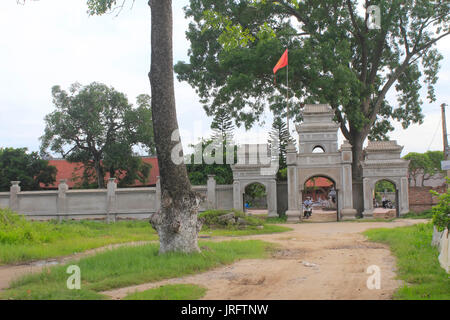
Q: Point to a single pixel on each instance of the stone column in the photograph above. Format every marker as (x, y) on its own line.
(62, 199)
(111, 200)
(272, 198)
(368, 198)
(294, 212)
(347, 212)
(211, 192)
(237, 196)
(158, 194)
(13, 195)
(403, 196)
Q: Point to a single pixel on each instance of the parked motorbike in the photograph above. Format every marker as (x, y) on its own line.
(307, 211)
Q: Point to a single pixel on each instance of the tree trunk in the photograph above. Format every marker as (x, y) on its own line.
(100, 175)
(357, 141)
(176, 222)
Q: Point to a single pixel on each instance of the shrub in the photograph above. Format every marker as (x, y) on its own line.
(15, 229)
(441, 211)
(211, 219)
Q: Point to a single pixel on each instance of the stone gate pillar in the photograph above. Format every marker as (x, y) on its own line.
(211, 192)
(272, 198)
(13, 197)
(111, 203)
(368, 198)
(403, 196)
(62, 199)
(294, 198)
(237, 196)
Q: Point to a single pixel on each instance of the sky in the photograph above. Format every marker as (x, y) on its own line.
(52, 42)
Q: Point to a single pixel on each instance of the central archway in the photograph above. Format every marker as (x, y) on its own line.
(255, 198)
(320, 192)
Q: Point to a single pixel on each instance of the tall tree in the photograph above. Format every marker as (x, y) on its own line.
(222, 126)
(423, 166)
(278, 140)
(28, 168)
(176, 223)
(97, 126)
(334, 57)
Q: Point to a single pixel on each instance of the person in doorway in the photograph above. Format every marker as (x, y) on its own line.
(308, 207)
(384, 202)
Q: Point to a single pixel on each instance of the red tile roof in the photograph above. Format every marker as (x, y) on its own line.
(67, 170)
(319, 182)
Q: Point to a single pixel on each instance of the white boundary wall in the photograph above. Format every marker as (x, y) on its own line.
(110, 204)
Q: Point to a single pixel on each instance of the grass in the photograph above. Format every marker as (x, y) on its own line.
(170, 292)
(417, 262)
(427, 214)
(268, 228)
(22, 240)
(128, 266)
(50, 239)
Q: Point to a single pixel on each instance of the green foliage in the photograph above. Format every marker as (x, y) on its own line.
(97, 126)
(417, 262)
(223, 127)
(334, 58)
(198, 173)
(441, 211)
(424, 165)
(24, 240)
(279, 138)
(254, 192)
(28, 168)
(170, 292)
(426, 214)
(384, 186)
(128, 266)
(211, 219)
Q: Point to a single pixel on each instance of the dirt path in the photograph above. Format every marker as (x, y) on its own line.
(10, 272)
(316, 261)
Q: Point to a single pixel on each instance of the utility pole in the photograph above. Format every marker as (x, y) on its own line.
(445, 138)
(444, 132)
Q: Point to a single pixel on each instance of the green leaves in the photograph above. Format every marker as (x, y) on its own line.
(334, 58)
(96, 123)
(28, 168)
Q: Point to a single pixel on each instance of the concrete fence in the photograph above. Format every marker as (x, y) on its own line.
(111, 203)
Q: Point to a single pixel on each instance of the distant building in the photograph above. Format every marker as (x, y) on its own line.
(73, 173)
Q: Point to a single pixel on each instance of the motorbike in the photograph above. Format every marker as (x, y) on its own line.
(307, 211)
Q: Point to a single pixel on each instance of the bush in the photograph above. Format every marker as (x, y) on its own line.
(15, 229)
(441, 211)
(212, 219)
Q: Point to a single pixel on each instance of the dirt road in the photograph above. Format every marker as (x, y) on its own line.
(316, 261)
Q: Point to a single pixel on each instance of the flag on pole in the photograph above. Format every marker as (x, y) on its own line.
(283, 62)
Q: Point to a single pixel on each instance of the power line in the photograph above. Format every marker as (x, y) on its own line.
(434, 136)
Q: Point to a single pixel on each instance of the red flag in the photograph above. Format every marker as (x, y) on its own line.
(283, 62)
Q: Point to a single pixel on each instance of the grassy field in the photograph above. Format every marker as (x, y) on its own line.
(127, 266)
(23, 241)
(170, 292)
(42, 240)
(417, 262)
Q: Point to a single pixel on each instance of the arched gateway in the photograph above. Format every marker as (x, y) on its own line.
(255, 164)
(320, 156)
(319, 131)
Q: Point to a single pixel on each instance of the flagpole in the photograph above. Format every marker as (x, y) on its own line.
(287, 97)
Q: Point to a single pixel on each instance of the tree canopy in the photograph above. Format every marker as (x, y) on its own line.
(334, 58)
(423, 166)
(28, 168)
(96, 125)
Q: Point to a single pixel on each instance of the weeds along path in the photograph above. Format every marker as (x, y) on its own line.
(315, 261)
(10, 272)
